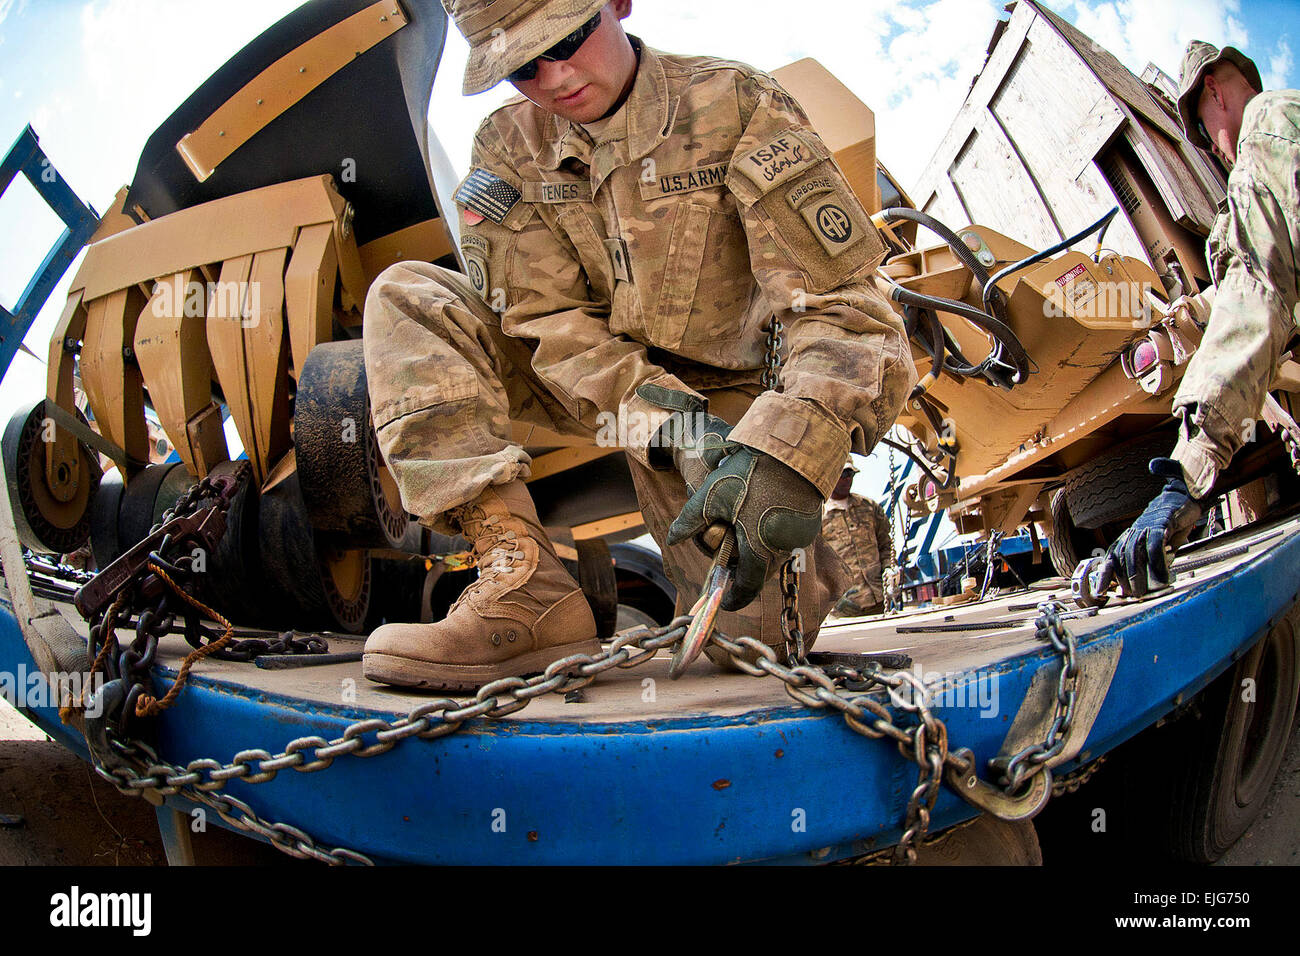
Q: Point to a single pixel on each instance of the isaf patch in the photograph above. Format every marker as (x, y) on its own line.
(779, 160)
(488, 195)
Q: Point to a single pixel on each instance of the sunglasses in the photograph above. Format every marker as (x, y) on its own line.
(561, 51)
(1200, 129)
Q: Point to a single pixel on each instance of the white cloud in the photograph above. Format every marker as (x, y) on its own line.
(1279, 65)
(1138, 32)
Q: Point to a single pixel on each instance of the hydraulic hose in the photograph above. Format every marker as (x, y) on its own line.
(1103, 224)
(1001, 332)
(959, 248)
(922, 464)
(935, 347)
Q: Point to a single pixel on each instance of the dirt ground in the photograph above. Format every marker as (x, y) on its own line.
(71, 817)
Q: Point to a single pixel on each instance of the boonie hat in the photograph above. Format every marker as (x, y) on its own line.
(503, 35)
(1200, 57)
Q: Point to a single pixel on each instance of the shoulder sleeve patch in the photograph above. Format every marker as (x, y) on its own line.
(477, 253)
(780, 159)
(488, 195)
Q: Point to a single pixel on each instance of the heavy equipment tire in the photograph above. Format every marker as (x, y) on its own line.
(138, 508)
(1065, 545)
(1223, 760)
(44, 523)
(350, 495)
(319, 585)
(1116, 485)
(105, 545)
(643, 587)
(234, 582)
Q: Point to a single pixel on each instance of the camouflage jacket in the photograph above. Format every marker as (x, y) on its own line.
(658, 250)
(1252, 257)
(859, 533)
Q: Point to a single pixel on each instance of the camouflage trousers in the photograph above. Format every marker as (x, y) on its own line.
(445, 386)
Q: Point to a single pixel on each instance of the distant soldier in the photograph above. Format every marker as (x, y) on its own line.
(1252, 257)
(858, 530)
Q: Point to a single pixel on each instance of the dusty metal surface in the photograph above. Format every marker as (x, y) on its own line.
(624, 695)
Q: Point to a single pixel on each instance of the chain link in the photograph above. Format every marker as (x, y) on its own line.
(1072, 782)
(924, 740)
(890, 562)
(772, 362)
(791, 619)
(1017, 769)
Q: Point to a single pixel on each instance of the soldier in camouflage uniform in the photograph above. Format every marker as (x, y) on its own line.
(1252, 258)
(858, 530)
(629, 227)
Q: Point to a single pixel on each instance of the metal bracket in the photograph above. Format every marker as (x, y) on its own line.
(27, 157)
(1000, 804)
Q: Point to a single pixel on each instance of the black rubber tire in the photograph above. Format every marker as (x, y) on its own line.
(104, 543)
(1224, 759)
(1116, 485)
(642, 583)
(401, 591)
(342, 479)
(137, 508)
(1063, 545)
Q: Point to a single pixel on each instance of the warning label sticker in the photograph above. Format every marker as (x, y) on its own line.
(1070, 276)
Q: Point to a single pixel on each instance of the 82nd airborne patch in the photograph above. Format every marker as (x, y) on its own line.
(477, 251)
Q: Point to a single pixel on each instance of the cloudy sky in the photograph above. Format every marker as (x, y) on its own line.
(95, 78)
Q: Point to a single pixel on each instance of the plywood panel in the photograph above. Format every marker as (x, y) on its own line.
(977, 100)
(1178, 186)
(998, 190)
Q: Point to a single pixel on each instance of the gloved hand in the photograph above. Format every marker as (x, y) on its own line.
(693, 441)
(1140, 550)
(773, 509)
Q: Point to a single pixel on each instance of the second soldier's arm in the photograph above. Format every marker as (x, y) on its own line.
(1253, 261)
(884, 542)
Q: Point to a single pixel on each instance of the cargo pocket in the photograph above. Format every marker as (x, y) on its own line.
(593, 257)
(681, 274)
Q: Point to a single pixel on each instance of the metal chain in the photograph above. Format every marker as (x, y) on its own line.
(1017, 769)
(152, 594)
(772, 362)
(791, 619)
(1293, 449)
(890, 561)
(925, 742)
(1072, 782)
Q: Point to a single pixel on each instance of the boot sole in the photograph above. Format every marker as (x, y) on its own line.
(426, 675)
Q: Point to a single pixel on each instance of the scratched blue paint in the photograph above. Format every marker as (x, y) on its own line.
(694, 789)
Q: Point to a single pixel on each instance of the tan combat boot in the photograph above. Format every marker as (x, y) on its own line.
(524, 612)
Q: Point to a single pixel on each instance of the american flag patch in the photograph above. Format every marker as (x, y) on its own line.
(488, 195)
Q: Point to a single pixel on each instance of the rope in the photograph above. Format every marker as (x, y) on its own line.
(147, 706)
